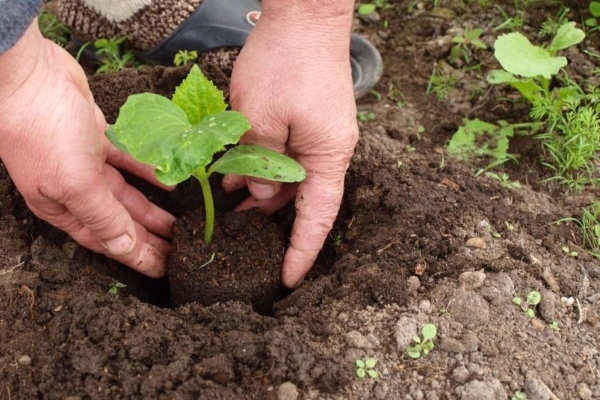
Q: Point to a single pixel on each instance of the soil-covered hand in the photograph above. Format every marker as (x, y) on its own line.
(293, 82)
(53, 145)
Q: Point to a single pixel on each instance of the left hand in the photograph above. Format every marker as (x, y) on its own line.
(294, 84)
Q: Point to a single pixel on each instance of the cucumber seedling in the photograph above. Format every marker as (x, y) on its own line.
(180, 137)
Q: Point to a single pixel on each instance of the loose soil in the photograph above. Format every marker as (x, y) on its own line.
(419, 239)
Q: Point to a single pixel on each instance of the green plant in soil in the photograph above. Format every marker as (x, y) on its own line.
(528, 305)
(366, 367)
(111, 58)
(422, 344)
(180, 137)
(518, 395)
(115, 287)
(516, 21)
(569, 252)
(370, 8)
(185, 57)
(504, 180)
(51, 28)
(551, 25)
(464, 45)
(589, 222)
(441, 83)
(593, 22)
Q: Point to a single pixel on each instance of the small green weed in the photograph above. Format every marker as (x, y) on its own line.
(366, 116)
(504, 180)
(533, 299)
(554, 326)
(464, 45)
(424, 344)
(441, 83)
(590, 227)
(518, 396)
(370, 8)
(110, 57)
(569, 252)
(184, 57)
(115, 287)
(593, 23)
(551, 25)
(51, 28)
(366, 367)
(516, 21)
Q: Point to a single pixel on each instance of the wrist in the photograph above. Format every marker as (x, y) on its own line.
(19, 62)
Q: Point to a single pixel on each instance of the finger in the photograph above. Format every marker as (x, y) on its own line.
(231, 183)
(273, 204)
(124, 161)
(317, 205)
(147, 214)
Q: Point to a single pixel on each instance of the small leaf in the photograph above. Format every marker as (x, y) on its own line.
(416, 339)
(591, 22)
(360, 363)
(373, 374)
(595, 8)
(370, 362)
(567, 36)
(458, 39)
(198, 97)
(366, 9)
(517, 300)
(414, 351)
(360, 372)
(518, 56)
(259, 162)
(425, 352)
(530, 313)
(479, 44)
(429, 331)
(534, 297)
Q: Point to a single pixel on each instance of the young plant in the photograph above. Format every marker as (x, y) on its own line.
(590, 227)
(569, 252)
(504, 180)
(593, 23)
(464, 43)
(441, 83)
(366, 367)
(424, 344)
(533, 299)
(179, 137)
(518, 395)
(554, 326)
(184, 57)
(51, 28)
(109, 55)
(370, 8)
(114, 288)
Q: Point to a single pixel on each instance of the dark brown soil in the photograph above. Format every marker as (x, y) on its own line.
(419, 239)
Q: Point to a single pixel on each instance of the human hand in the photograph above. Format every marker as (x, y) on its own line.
(53, 145)
(294, 84)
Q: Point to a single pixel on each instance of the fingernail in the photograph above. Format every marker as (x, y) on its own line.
(261, 191)
(121, 245)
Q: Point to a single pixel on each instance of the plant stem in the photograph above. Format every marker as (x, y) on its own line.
(209, 205)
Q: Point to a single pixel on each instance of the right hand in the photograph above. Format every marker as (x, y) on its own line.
(53, 145)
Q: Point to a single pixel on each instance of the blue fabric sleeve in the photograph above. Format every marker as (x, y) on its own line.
(15, 17)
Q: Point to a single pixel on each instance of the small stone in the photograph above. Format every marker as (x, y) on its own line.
(425, 306)
(406, 328)
(537, 324)
(547, 306)
(356, 339)
(287, 391)
(469, 308)
(476, 243)
(24, 360)
(535, 389)
(413, 284)
(472, 279)
(584, 391)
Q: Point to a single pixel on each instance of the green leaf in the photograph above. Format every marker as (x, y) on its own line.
(429, 331)
(360, 363)
(518, 56)
(474, 34)
(458, 39)
(517, 301)
(478, 138)
(198, 97)
(111, 134)
(530, 313)
(534, 297)
(259, 162)
(479, 44)
(373, 374)
(595, 8)
(416, 339)
(414, 351)
(567, 36)
(360, 372)
(591, 22)
(370, 362)
(155, 131)
(366, 9)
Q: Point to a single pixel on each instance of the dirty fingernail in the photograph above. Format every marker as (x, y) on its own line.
(261, 191)
(121, 245)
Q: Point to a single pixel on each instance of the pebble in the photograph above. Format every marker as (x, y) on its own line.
(483, 390)
(469, 308)
(24, 360)
(476, 243)
(584, 392)
(381, 390)
(356, 339)
(406, 328)
(535, 389)
(413, 284)
(425, 306)
(472, 279)
(460, 374)
(537, 324)
(547, 306)
(287, 391)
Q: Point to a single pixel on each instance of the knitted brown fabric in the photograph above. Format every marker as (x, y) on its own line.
(145, 29)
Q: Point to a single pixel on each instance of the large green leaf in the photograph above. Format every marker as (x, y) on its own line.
(518, 56)
(198, 97)
(478, 138)
(259, 162)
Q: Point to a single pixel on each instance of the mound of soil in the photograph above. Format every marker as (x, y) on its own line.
(419, 239)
